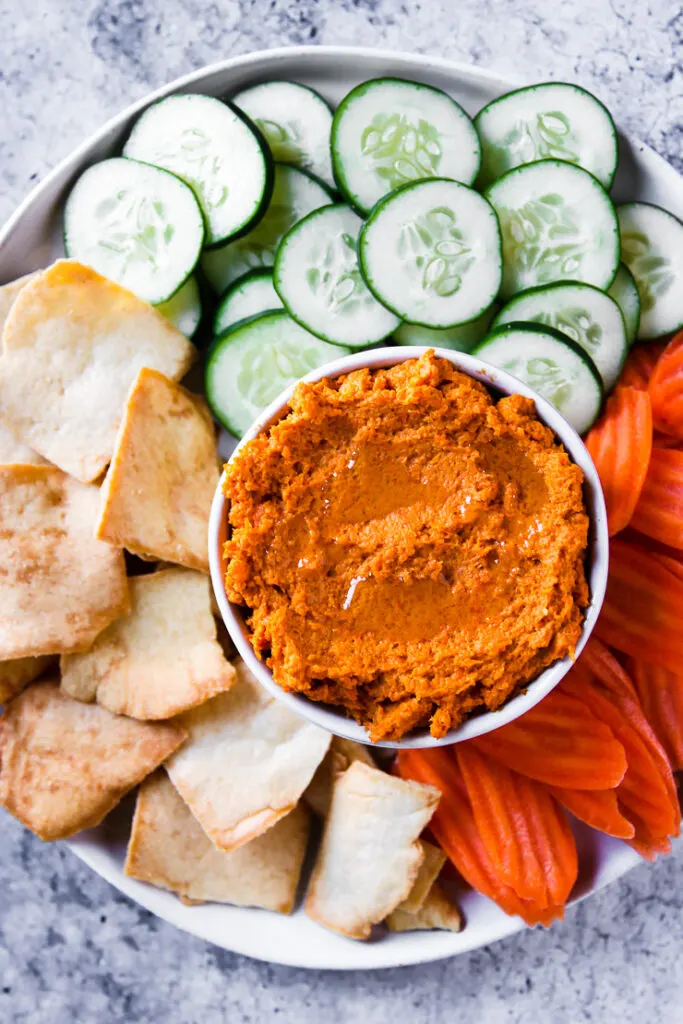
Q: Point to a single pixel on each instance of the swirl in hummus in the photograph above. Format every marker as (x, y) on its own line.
(410, 549)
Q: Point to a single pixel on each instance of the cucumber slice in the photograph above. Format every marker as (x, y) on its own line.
(584, 314)
(652, 249)
(461, 339)
(254, 361)
(554, 120)
(624, 291)
(184, 309)
(550, 363)
(431, 252)
(135, 224)
(317, 277)
(251, 294)
(216, 152)
(558, 223)
(296, 123)
(388, 132)
(295, 194)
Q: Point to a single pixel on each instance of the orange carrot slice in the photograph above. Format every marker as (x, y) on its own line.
(552, 838)
(498, 805)
(455, 830)
(622, 691)
(559, 742)
(644, 793)
(647, 845)
(620, 444)
(659, 512)
(666, 389)
(640, 364)
(598, 808)
(661, 696)
(643, 607)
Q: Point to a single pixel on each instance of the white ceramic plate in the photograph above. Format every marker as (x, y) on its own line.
(32, 239)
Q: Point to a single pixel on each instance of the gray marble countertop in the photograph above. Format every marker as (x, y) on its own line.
(73, 949)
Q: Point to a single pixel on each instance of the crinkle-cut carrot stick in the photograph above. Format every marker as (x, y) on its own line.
(666, 389)
(621, 689)
(640, 364)
(647, 845)
(524, 830)
(499, 812)
(644, 792)
(559, 742)
(598, 808)
(661, 696)
(620, 444)
(455, 830)
(659, 512)
(643, 607)
(642, 795)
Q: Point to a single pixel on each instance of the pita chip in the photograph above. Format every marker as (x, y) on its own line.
(73, 345)
(430, 869)
(370, 853)
(246, 763)
(59, 586)
(162, 658)
(8, 293)
(13, 451)
(341, 754)
(437, 911)
(156, 497)
(65, 765)
(17, 674)
(168, 848)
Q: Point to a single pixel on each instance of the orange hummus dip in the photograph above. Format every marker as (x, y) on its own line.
(411, 550)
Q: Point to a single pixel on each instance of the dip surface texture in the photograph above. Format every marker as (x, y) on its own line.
(411, 550)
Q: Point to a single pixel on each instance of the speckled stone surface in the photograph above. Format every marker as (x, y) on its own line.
(71, 948)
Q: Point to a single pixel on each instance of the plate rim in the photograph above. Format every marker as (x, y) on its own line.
(622, 859)
(239, 61)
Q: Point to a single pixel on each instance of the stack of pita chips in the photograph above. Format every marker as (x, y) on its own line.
(112, 681)
(372, 866)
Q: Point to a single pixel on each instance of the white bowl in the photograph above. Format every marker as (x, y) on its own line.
(336, 721)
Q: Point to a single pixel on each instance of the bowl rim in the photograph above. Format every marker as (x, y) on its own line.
(335, 721)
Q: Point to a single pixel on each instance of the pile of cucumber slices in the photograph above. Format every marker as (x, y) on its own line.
(397, 219)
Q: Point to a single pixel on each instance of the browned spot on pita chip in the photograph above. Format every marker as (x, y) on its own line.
(59, 586)
(169, 849)
(370, 855)
(64, 765)
(437, 911)
(161, 659)
(73, 345)
(17, 674)
(156, 497)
